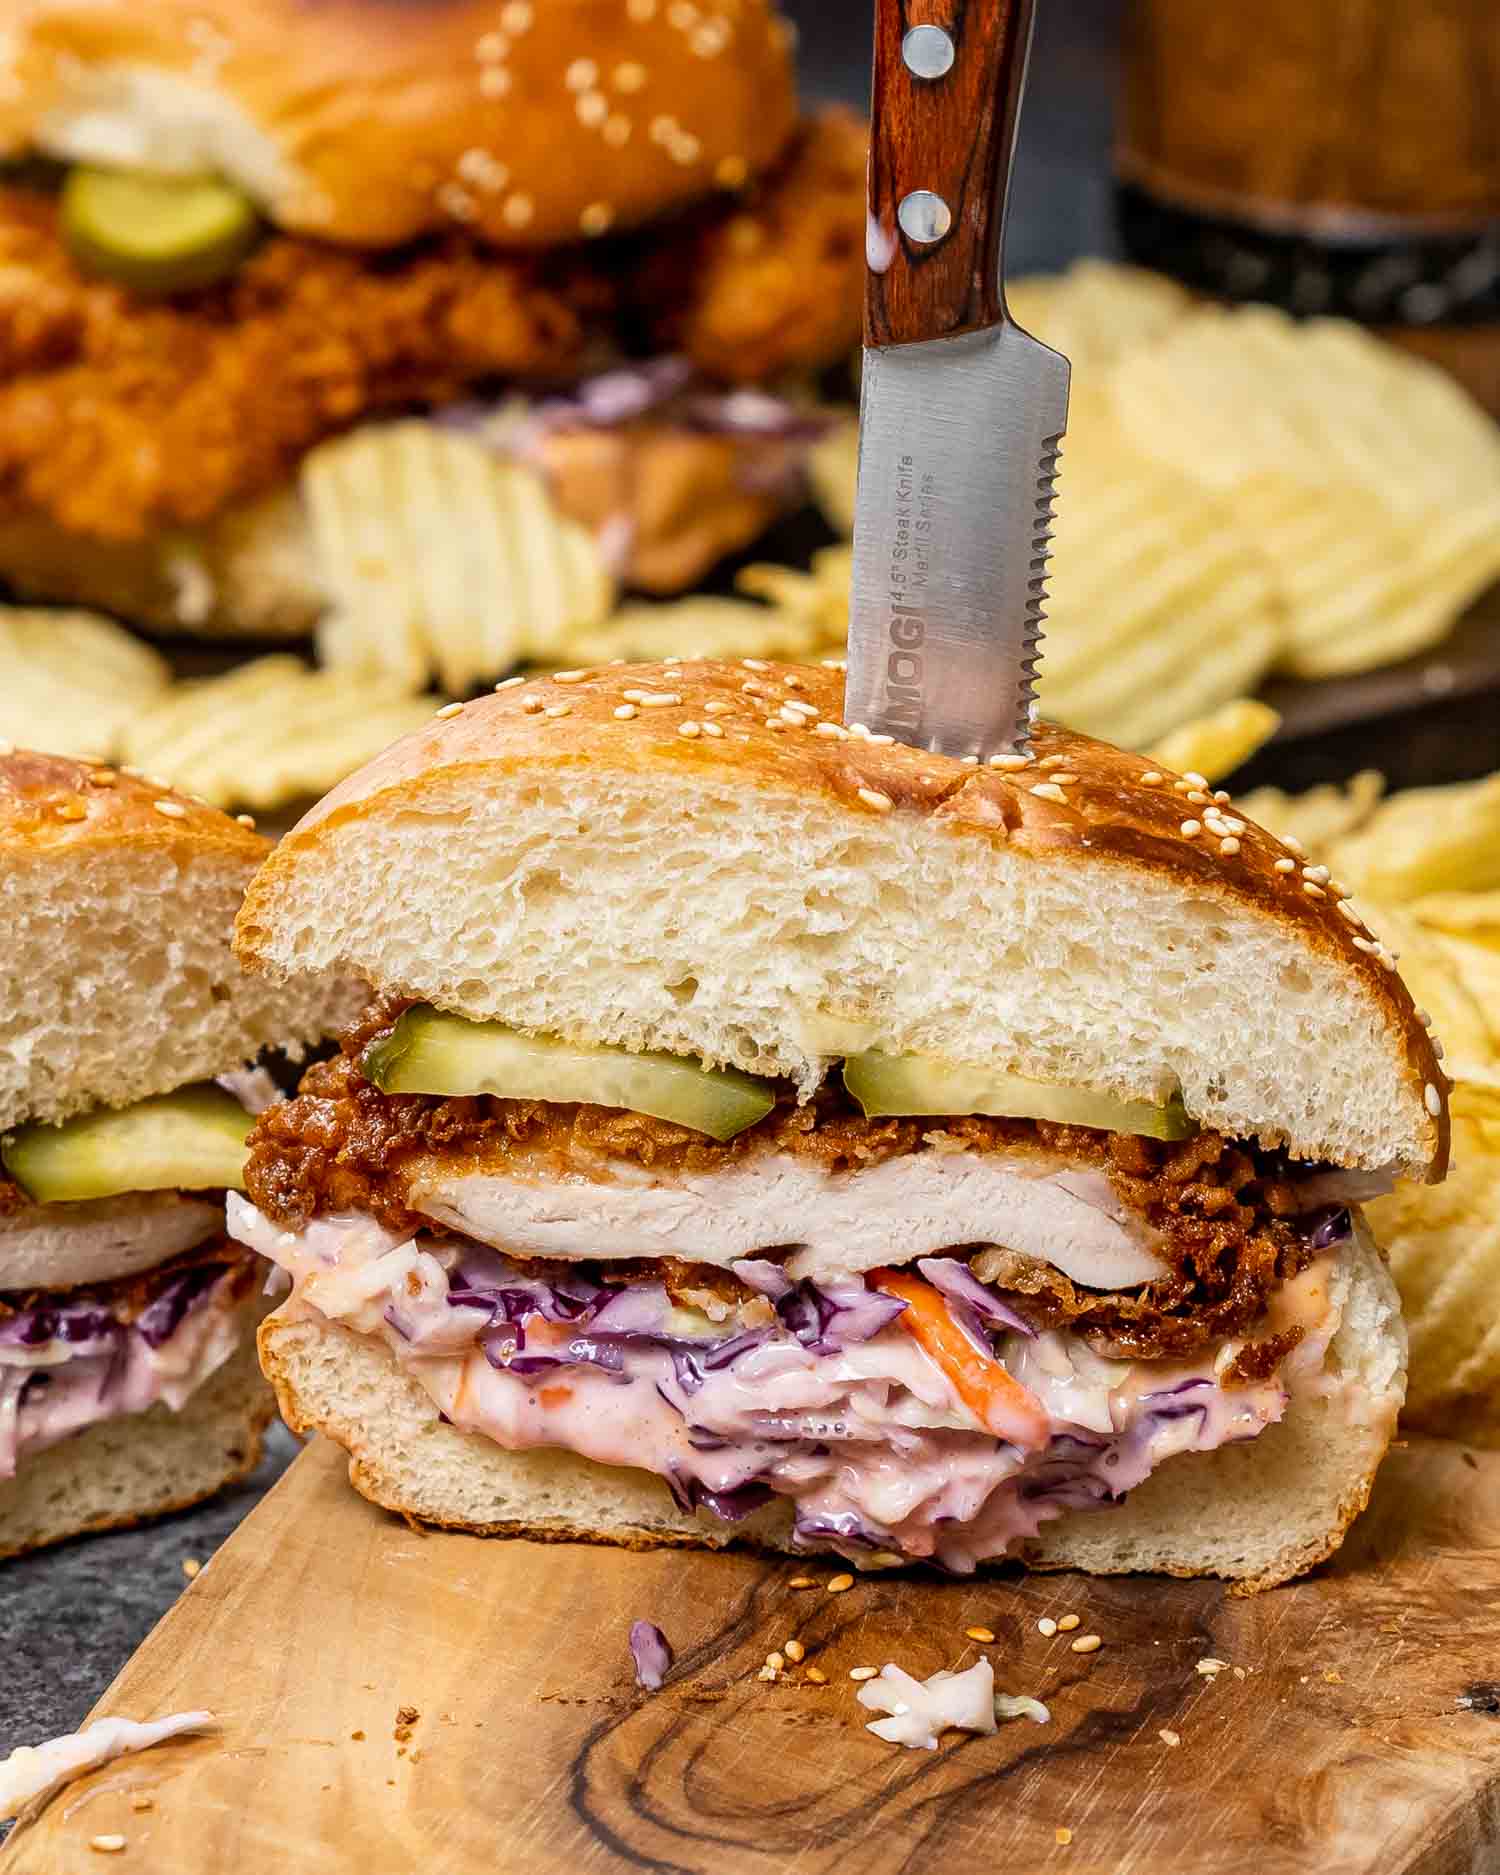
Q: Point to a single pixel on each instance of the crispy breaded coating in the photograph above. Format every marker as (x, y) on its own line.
(120, 415)
(779, 285)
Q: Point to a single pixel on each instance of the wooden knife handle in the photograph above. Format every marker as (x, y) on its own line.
(952, 135)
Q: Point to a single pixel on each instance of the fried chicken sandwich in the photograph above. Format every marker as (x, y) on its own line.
(765, 1130)
(230, 232)
(129, 1041)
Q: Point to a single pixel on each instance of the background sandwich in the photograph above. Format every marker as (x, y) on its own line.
(128, 1043)
(770, 1129)
(229, 233)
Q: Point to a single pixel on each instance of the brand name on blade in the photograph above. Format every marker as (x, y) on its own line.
(912, 526)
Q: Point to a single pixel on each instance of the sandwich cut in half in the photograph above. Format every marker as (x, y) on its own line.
(597, 237)
(129, 1044)
(764, 1130)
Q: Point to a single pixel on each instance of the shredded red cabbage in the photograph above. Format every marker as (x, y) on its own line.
(652, 1653)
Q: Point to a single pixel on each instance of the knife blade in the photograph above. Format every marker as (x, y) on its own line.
(962, 413)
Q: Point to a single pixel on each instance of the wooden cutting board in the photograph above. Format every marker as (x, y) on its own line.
(395, 1702)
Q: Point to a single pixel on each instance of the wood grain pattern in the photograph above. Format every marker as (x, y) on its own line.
(1364, 1738)
(953, 135)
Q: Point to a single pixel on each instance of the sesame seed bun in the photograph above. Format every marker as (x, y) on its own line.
(699, 857)
(528, 122)
(117, 896)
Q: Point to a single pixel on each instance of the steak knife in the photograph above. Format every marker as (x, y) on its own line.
(961, 412)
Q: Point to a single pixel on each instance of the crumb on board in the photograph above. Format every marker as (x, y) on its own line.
(1062, 1835)
(1068, 1622)
(190, 1566)
(1168, 1736)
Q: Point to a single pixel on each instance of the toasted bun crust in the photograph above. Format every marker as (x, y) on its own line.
(117, 898)
(1256, 1513)
(717, 874)
(529, 122)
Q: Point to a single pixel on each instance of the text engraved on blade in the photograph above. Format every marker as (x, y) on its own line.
(908, 582)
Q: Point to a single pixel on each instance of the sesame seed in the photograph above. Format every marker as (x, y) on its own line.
(1062, 779)
(1432, 1099)
(794, 1650)
(1338, 888)
(450, 709)
(1168, 1736)
(457, 202)
(682, 14)
(517, 16)
(1229, 844)
(1198, 781)
(533, 706)
(775, 722)
(1151, 777)
(872, 797)
(509, 683)
(518, 210)
(1068, 1623)
(1313, 891)
(802, 1582)
(569, 677)
(581, 75)
(794, 719)
(859, 729)
(656, 699)
(817, 1676)
(494, 81)
(883, 742)
(172, 809)
(1087, 1644)
(625, 711)
(834, 731)
(662, 128)
(969, 761)
(1049, 791)
(1010, 761)
(1222, 796)
(641, 10)
(1423, 1017)
(1208, 1666)
(1190, 829)
(1318, 874)
(155, 781)
(615, 130)
(837, 1584)
(717, 707)
(980, 1634)
(803, 709)
(766, 1673)
(1386, 959)
(102, 778)
(731, 171)
(1366, 944)
(558, 709)
(1053, 761)
(754, 664)
(863, 1673)
(596, 218)
(491, 46)
(1234, 825)
(689, 729)
(712, 729)
(1293, 845)
(1346, 906)
(775, 1661)
(70, 810)
(629, 76)
(107, 1845)
(1437, 1048)
(246, 820)
(1286, 865)
(1197, 797)
(1046, 1626)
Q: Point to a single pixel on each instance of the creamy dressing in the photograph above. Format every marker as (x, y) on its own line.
(869, 1440)
(56, 1388)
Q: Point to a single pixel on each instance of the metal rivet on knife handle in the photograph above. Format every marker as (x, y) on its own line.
(924, 216)
(928, 52)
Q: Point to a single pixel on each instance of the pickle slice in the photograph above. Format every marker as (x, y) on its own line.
(157, 234)
(428, 1052)
(888, 1085)
(193, 1140)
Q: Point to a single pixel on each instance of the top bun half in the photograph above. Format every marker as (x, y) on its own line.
(698, 857)
(370, 122)
(117, 900)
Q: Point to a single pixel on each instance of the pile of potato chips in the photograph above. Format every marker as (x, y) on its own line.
(1426, 867)
(1239, 493)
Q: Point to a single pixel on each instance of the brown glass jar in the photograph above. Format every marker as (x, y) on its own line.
(1330, 156)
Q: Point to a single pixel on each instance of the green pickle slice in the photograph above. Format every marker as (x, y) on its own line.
(889, 1085)
(428, 1052)
(158, 234)
(193, 1140)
